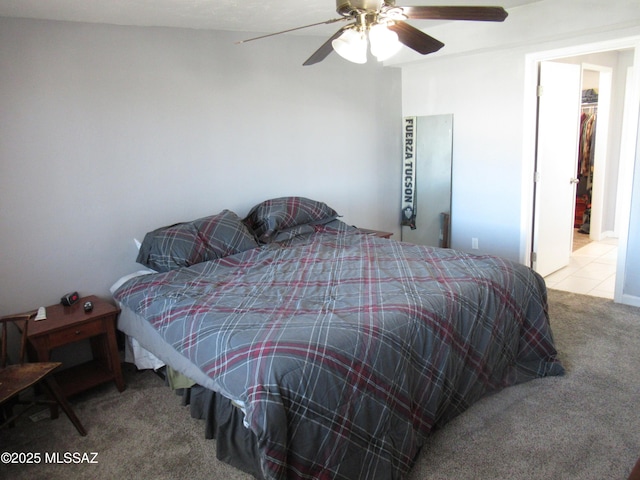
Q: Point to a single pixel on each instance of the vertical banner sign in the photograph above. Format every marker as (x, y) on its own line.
(409, 174)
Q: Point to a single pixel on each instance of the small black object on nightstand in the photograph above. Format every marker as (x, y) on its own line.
(88, 306)
(69, 299)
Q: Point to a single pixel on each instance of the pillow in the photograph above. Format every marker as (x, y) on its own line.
(185, 244)
(224, 234)
(270, 217)
(289, 233)
(170, 247)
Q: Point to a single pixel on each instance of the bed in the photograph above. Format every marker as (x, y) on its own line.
(334, 353)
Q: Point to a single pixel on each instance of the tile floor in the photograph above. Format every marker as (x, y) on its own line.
(591, 270)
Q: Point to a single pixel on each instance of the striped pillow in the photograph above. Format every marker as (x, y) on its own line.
(189, 243)
(271, 217)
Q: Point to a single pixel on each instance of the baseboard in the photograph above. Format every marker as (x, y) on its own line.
(630, 300)
(603, 236)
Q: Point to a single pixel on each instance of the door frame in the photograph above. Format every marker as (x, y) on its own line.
(627, 162)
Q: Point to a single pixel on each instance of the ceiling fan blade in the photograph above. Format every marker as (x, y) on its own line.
(325, 49)
(415, 39)
(486, 14)
(333, 20)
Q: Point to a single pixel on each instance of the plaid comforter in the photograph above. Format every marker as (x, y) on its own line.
(346, 349)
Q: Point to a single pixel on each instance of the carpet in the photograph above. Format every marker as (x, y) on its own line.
(583, 425)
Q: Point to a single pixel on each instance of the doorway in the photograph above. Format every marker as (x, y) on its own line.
(611, 198)
(585, 267)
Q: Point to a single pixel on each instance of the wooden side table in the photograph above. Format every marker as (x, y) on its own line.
(375, 233)
(65, 325)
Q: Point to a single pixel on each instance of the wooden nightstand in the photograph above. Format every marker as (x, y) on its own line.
(376, 233)
(65, 325)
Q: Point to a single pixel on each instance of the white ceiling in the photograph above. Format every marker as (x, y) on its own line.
(236, 15)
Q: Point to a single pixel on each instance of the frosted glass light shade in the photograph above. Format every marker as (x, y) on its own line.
(352, 46)
(384, 42)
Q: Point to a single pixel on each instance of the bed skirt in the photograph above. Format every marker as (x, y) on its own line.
(235, 444)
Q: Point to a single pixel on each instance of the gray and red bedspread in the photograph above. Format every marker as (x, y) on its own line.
(345, 349)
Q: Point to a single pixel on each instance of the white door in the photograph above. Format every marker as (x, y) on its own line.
(556, 165)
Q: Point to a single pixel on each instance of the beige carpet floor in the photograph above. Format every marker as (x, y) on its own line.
(584, 425)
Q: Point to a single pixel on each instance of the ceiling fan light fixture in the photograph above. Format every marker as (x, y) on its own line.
(351, 45)
(383, 24)
(384, 42)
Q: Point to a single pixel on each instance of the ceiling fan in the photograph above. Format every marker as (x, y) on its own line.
(384, 24)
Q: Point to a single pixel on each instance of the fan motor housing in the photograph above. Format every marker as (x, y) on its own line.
(348, 7)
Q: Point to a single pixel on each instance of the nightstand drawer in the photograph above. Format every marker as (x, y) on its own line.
(76, 333)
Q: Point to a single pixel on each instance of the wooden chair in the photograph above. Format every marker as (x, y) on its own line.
(635, 473)
(16, 378)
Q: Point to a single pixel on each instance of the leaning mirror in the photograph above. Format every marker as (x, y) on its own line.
(426, 180)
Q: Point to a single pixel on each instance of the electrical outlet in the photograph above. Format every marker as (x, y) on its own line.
(474, 243)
